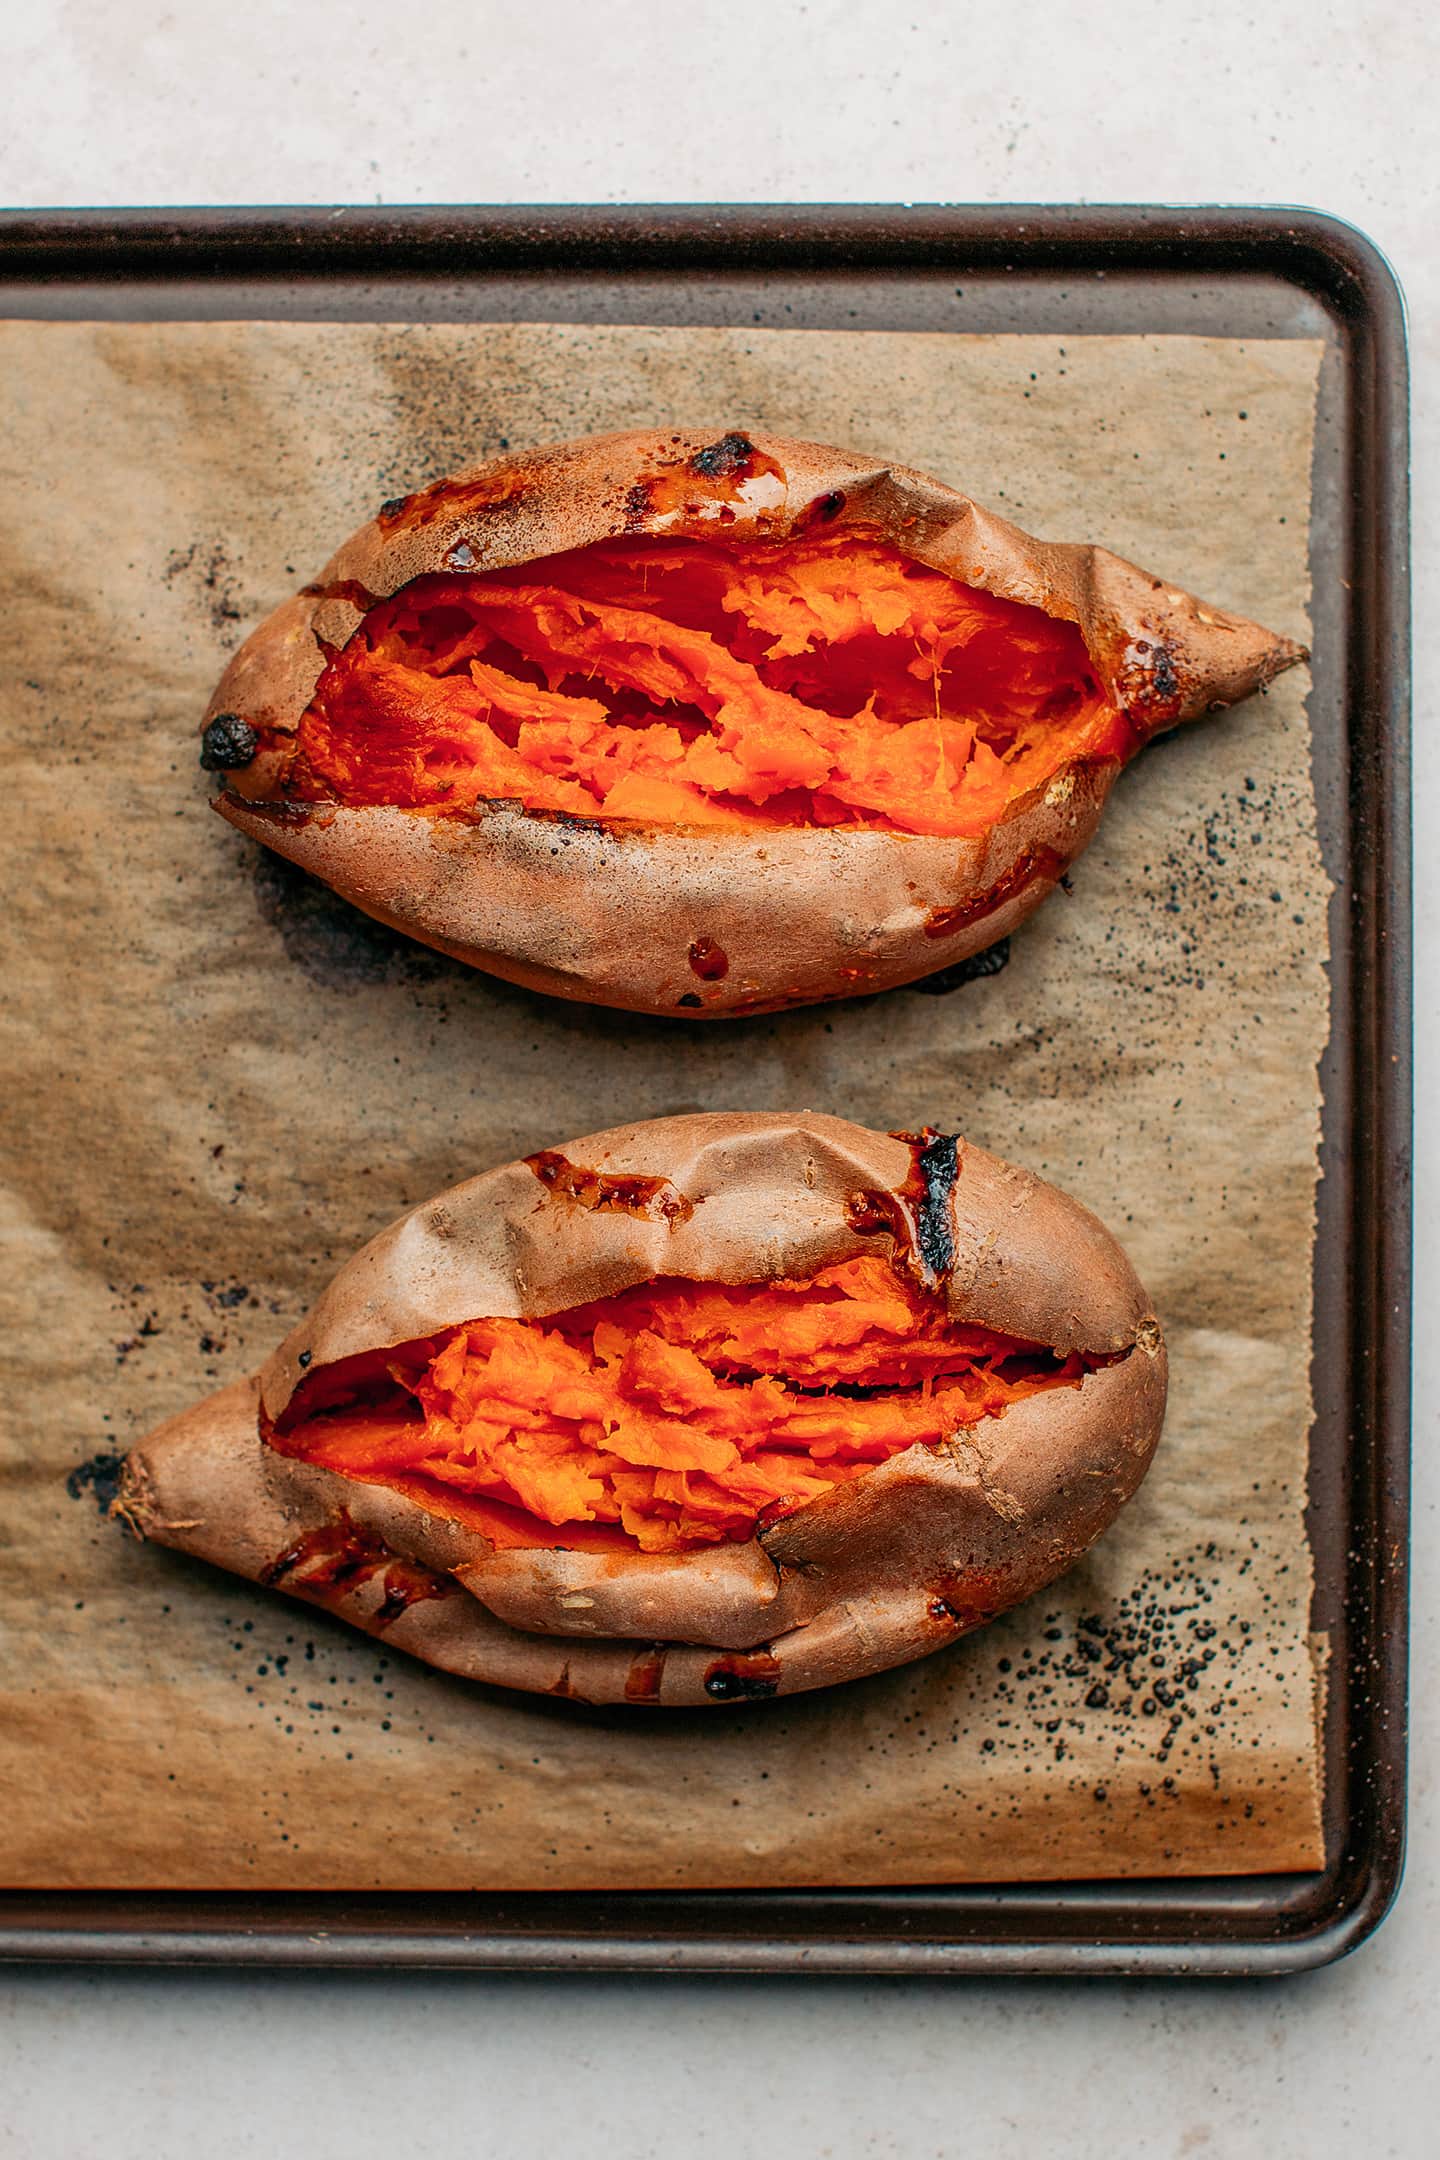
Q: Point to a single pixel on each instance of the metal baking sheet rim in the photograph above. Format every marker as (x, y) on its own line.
(1211, 1926)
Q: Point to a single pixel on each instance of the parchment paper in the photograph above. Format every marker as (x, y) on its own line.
(222, 1080)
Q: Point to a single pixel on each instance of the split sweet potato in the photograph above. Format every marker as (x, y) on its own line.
(693, 1411)
(704, 727)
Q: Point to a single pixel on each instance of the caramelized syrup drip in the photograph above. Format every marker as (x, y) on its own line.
(642, 1682)
(654, 1199)
(708, 960)
(823, 511)
(341, 1556)
(487, 492)
(1036, 863)
(966, 1601)
(920, 1214)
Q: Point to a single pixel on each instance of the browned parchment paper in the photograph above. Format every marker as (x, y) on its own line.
(220, 1081)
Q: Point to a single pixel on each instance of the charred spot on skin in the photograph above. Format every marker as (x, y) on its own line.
(920, 1214)
(708, 960)
(304, 1359)
(1036, 864)
(654, 1199)
(228, 743)
(744, 1676)
(1167, 682)
(275, 810)
(392, 1604)
(566, 822)
(990, 962)
(1151, 681)
(100, 1475)
(691, 999)
(720, 473)
(731, 458)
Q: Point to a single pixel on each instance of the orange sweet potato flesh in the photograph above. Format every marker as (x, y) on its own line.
(669, 1417)
(824, 680)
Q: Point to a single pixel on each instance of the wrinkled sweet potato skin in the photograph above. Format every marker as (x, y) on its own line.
(877, 1570)
(608, 909)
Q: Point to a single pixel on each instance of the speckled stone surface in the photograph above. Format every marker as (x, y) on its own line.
(1326, 105)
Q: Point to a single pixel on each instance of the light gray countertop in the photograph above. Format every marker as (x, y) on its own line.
(118, 102)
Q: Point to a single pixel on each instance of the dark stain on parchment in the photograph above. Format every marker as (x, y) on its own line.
(333, 943)
(99, 1476)
(990, 962)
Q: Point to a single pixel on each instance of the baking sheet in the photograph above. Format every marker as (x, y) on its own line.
(227, 1079)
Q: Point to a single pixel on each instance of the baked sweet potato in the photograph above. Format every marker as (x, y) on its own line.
(706, 727)
(696, 1411)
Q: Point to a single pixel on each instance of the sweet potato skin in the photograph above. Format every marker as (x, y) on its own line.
(606, 910)
(924, 1548)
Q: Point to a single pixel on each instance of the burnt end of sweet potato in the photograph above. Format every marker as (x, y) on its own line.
(678, 1414)
(228, 744)
(827, 680)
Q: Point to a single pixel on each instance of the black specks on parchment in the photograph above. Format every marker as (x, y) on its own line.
(1160, 1680)
(208, 578)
